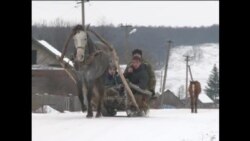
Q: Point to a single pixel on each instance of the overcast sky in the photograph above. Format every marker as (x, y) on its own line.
(154, 13)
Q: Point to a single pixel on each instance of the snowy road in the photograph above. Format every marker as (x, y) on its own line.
(160, 125)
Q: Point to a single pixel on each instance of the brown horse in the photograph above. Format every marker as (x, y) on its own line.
(194, 91)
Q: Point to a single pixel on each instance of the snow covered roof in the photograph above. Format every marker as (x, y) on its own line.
(205, 99)
(45, 67)
(54, 51)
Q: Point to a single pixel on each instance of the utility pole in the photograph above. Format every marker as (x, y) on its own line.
(187, 59)
(83, 18)
(126, 29)
(166, 66)
(190, 73)
(161, 82)
(83, 13)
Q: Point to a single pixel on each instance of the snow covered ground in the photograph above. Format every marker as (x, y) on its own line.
(160, 125)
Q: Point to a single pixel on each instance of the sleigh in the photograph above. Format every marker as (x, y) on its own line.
(116, 100)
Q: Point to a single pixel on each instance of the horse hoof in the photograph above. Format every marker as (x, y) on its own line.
(98, 115)
(84, 109)
(89, 115)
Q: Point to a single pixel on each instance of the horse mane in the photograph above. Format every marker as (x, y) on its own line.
(95, 45)
(77, 28)
(90, 45)
(98, 59)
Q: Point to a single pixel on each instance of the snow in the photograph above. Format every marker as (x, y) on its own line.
(123, 67)
(46, 109)
(160, 125)
(43, 67)
(201, 69)
(132, 31)
(54, 51)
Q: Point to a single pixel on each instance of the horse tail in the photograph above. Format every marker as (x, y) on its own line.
(91, 46)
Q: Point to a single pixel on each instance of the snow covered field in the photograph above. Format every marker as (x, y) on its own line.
(160, 125)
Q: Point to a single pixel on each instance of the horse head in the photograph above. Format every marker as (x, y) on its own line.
(80, 41)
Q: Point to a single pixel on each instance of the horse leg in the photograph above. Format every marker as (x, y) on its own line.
(89, 98)
(192, 103)
(100, 92)
(80, 95)
(99, 87)
(195, 103)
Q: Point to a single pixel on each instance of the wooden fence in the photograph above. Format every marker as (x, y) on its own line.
(57, 102)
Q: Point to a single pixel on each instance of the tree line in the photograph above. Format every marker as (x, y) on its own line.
(151, 39)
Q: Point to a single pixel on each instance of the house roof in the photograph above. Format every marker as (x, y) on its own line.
(168, 92)
(51, 49)
(205, 99)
